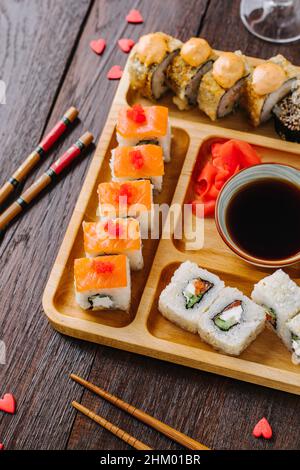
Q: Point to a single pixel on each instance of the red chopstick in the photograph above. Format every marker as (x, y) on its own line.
(55, 169)
(35, 156)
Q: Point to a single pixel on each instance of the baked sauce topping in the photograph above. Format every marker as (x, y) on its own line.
(151, 48)
(267, 77)
(228, 69)
(195, 51)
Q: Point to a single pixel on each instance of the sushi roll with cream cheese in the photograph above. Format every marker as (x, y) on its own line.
(191, 291)
(232, 322)
(149, 60)
(280, 297)
(186, 70)
(294, 328)
(140, 162)
(114, 236)
(267, 85)
(221, 88)
(127, 199)
(142, 125)
(103, 283)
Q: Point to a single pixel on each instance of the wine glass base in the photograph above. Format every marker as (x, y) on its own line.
(272, 21)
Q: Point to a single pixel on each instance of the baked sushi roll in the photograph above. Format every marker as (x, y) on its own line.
(221, 88)
(294, 328)
(191, 291)
(112, 237)
(287, 117)
(140, 162)
(186, 70)
(127, 199)
(280, 297)
(148, 62)
(145, 125)
(232, 322)
(102, 283)
(269, 83)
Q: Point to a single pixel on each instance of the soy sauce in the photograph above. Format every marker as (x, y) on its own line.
(263, 219)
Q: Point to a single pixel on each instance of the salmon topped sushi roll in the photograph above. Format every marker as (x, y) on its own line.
(127, 199)
(269, 83)
(221, 88)
(102, 283)
(145, 125)
(148, 62)
(143, 161)
(114, 236)
(186, 70)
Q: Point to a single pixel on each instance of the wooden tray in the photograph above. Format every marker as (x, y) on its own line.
(144, 330)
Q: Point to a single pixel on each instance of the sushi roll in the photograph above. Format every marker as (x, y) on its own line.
(221, 88)
(294, 328)
(186, 70)
(280, 297)
(141, 162)
(232, 322)
(127, 199)
(149, 60)
(287, 117)
(102, 283)
(191, 291)
(145, 125)
(114, 236)
(269, 83)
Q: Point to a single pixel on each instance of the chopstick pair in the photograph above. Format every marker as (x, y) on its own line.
(55, 169)
(142, 416)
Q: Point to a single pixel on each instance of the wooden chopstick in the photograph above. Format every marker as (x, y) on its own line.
(165, 429)
(120, 433)
(34, 157)
(55, 169)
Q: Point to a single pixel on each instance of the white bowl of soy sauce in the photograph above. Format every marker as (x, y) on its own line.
(258, 214)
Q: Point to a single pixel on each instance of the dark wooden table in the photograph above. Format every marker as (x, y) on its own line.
(47, 65)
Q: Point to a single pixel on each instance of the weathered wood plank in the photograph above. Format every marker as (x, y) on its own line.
(36, 43)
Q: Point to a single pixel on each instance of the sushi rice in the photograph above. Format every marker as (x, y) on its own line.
(232, 322)
(179, 301)
(294, 328)
(280, 296)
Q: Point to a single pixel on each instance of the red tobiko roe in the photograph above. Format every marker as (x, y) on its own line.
(103, 267)
(137, 159)
(126, 193)
(114, 229)
(136, 114)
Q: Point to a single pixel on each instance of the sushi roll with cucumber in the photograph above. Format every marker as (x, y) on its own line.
(280, 297)
(287, 117)
(114, 236)
(232, 322)
(149, 60)
(103, 283)
(221, 88)
(140, 162)
(267, 85)
(294, 328)
(186, 70)
(190, 293)
(141, 125)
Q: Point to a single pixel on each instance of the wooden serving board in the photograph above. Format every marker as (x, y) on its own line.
(143, 330)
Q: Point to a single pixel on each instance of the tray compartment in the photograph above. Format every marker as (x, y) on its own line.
(267, 349)
(64, 300)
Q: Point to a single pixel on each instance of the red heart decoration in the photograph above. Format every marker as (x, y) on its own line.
(126, 44)
(134, 16)
(8, 403)
(263, 428)
(98, 45)
(1, 446)
(115, 73)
